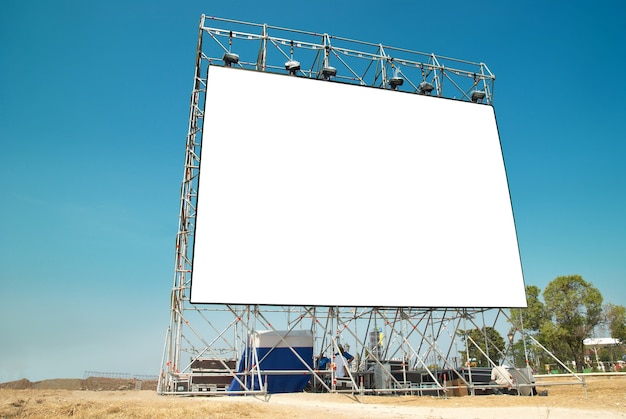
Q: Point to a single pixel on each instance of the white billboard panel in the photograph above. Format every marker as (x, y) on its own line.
(321, 193)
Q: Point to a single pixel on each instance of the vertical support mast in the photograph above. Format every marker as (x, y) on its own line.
(186, 222)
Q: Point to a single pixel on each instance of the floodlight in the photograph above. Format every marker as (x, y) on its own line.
(328, 72)
(478, 96)
(425, 88)
(230, 58)
(395, 82)
(292, 66)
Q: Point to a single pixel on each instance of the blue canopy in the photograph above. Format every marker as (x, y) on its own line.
(274, 351)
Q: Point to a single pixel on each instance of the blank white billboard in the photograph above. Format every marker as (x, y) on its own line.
(322, 193)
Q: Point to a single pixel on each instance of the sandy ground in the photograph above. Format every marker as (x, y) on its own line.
(603, 398)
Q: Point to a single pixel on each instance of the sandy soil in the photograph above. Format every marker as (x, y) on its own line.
(603, 398)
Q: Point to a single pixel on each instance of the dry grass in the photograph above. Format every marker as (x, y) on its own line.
(606, 393)
(116, 404)
(604, 396)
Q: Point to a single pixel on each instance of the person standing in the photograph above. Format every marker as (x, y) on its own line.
(349, 357)
(341, 364)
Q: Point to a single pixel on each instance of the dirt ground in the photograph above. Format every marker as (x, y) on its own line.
(604, 397)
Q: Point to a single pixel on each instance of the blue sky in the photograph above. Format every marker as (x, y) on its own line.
(94, 103)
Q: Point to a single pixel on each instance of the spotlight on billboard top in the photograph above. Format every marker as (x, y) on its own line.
(321, 193)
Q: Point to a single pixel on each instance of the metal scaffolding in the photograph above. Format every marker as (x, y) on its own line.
(315, 55)
(402, 349)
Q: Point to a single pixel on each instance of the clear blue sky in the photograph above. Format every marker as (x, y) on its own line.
(94, 102)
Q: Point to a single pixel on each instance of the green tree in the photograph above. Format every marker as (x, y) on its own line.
(616, 320)
(574, 307)
(533, 315)
(529, 320)
(489, 340)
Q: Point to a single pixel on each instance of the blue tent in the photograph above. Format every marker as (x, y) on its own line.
(274, 351)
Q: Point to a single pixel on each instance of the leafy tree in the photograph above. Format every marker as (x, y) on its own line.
(574, 307)
(552, 337)
(490, 342)
(532, 316)
(616, 320)
(530, 320)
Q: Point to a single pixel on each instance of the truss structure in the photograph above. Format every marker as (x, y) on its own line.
(322, 56)
(403, 349)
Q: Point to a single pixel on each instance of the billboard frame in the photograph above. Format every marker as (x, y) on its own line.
(421, 201)
(219, 332)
